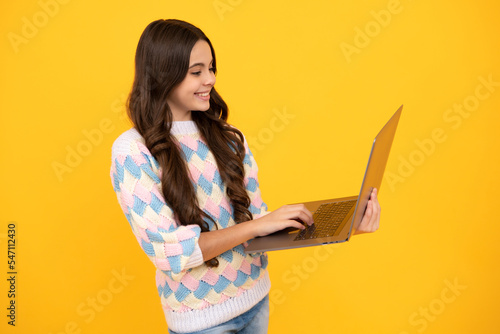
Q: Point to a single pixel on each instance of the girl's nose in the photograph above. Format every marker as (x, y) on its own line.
(210, 79)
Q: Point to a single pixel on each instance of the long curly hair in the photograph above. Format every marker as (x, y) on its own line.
(161, 64)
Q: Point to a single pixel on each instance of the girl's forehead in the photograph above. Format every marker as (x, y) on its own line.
(200, 54)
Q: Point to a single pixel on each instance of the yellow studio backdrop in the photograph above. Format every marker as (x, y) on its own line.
(310, 84)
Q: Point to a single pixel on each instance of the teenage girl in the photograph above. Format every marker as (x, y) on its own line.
(187, 183)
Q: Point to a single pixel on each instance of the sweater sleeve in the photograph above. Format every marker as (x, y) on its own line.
(257, 206)
(171, 247)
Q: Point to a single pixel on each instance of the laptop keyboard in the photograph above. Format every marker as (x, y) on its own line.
(327, 219)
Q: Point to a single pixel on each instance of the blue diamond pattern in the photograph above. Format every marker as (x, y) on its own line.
(187, 152)
(154, 236)
(156, 204)
(202, 151)
(228, 256)
(148, 248)
(202, 290)
(205, 185)
(252, 185)
(132, 168)
(240, 279)
(139, 206)
(218, 180)
(182, 292)
(221, 284)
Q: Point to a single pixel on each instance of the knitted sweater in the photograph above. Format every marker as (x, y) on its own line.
(193, 296)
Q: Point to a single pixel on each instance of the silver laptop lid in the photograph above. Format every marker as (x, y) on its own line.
(376, 166)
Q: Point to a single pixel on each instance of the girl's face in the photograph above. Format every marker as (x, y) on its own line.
(193, 93)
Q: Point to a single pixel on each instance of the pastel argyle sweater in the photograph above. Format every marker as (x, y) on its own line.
(193, 296)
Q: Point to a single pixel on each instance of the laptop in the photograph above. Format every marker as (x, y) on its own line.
(336, 220)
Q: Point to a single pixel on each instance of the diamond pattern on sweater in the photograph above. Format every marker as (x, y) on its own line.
(170, 245)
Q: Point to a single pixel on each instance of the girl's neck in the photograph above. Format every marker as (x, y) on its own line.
(182, 117)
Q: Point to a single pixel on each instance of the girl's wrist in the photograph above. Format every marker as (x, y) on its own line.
(249, 229)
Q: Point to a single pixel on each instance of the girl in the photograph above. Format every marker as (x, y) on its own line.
(187, 183)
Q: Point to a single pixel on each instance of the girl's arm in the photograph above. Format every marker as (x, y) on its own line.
(214, 243)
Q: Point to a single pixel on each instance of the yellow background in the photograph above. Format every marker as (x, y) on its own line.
(70, 75)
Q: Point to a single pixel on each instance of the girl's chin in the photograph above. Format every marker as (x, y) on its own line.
(204, 108)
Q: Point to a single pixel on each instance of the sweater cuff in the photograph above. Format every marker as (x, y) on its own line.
(196, 259)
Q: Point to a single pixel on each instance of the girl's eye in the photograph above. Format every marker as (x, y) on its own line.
(211, 69)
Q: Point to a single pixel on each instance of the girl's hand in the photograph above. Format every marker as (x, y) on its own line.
(286, 216)
(371, 219)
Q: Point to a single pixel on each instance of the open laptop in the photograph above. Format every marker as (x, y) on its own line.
(336, 220)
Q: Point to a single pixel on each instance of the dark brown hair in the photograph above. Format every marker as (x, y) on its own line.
(161, 64)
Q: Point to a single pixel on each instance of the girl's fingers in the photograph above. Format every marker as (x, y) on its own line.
(298, 211)
(369, 210)
(375, 218)
(306, 218)
(371, 218)
(296, 224)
